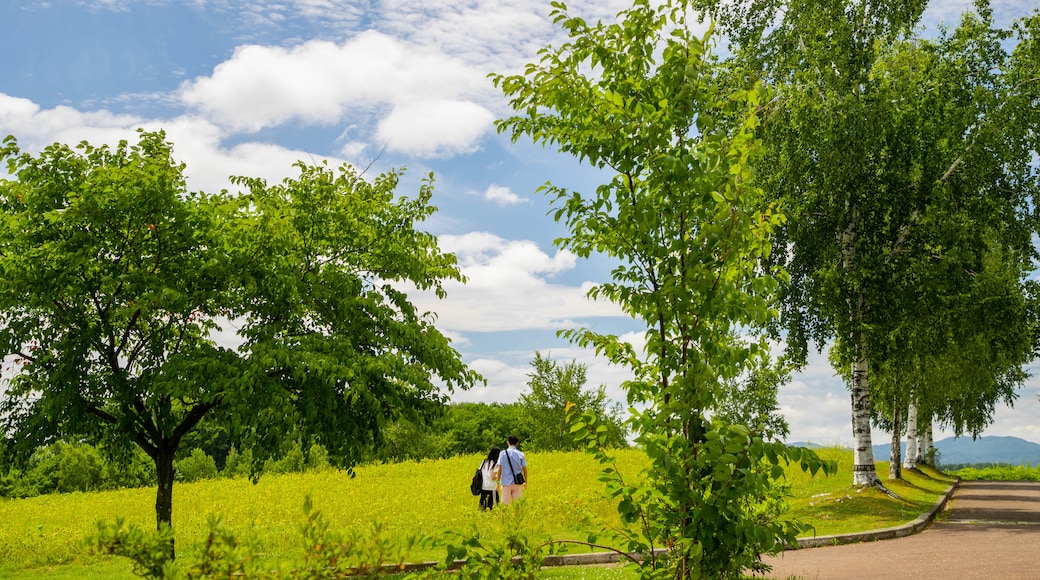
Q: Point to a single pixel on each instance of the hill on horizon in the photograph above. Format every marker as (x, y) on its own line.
(965, 451)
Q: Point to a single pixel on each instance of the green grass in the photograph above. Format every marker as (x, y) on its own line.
(44, 537)
(999, 473)
(833, 506)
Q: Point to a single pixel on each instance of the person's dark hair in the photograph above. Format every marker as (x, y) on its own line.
(493, 454)
(513, 440)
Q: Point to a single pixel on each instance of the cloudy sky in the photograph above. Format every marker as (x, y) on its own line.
(249, 87)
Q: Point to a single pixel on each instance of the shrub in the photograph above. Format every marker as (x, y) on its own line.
(293, 461)
(195, 467)
(317, 458)
(80, 468)
(999, 473)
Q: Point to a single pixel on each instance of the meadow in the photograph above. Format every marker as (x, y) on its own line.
(45, 537)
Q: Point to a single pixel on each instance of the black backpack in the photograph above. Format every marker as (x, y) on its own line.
(477, 484)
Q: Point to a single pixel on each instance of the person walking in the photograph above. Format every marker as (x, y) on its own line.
(489, 473)
(512, 471)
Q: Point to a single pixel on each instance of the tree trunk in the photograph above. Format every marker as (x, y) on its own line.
(164, 494)
(926, 446)
(863, 470)
(895, 463)
(910, 462)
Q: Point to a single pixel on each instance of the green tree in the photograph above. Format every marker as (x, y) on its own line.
(476, 427)
(114, 281)
(751, 399)
(325, 261)
(552, 386)
(640, 98)
(891, 155)
(461, 429)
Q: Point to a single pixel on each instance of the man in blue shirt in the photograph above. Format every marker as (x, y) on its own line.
(512, 471)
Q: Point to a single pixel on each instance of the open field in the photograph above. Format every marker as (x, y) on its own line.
(44, 537)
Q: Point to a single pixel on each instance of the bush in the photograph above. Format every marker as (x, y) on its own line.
(195, 467)
(327, 553)
(317, 458)
(237, 464)
(132, 468)
(293, 461)
(999, 473)
(80, 468)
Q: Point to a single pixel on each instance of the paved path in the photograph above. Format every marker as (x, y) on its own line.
(990, 530)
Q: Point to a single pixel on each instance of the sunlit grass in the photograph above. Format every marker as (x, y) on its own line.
(833, 506)
(43, 537)
(1000, 473)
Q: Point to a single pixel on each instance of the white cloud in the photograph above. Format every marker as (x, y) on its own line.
(508, 288)
(502, 195)
(439, 128)
(196, 142)
(492, 35)
(320, 82)
(506, 382)
(36, 128)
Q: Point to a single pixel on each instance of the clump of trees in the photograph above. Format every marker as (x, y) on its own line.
(906, 167)
(67, 467)
(539, 418)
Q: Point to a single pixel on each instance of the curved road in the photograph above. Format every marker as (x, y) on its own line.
(990, 531)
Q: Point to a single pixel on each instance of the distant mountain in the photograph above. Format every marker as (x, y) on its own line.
(965, 451)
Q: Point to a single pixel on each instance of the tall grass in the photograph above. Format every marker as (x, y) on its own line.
(426, 497)
(423, 497)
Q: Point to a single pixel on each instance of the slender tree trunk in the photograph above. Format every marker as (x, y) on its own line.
(863, 470)
(910, 462)
(895, 462)
(926, 446)
(164, 494)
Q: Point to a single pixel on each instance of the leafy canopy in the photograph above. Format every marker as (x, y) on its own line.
(642, 99)
(137, 308)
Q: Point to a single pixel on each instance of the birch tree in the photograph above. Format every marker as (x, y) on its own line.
(875, 143)
(968, 312)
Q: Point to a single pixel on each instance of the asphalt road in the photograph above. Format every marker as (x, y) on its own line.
(990, 530)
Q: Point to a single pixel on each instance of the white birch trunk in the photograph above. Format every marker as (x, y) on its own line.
(863, 470)
(927, 445)
(895, 462)
(910, 461)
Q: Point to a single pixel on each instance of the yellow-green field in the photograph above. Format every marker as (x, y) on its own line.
(43, 537)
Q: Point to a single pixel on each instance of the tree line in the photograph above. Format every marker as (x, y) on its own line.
(538, 418)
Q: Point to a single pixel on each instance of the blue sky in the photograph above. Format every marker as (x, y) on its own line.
(249, 87)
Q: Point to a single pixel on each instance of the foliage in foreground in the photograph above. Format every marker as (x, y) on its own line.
(740, 510)
(510, 553)
(690, 234)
